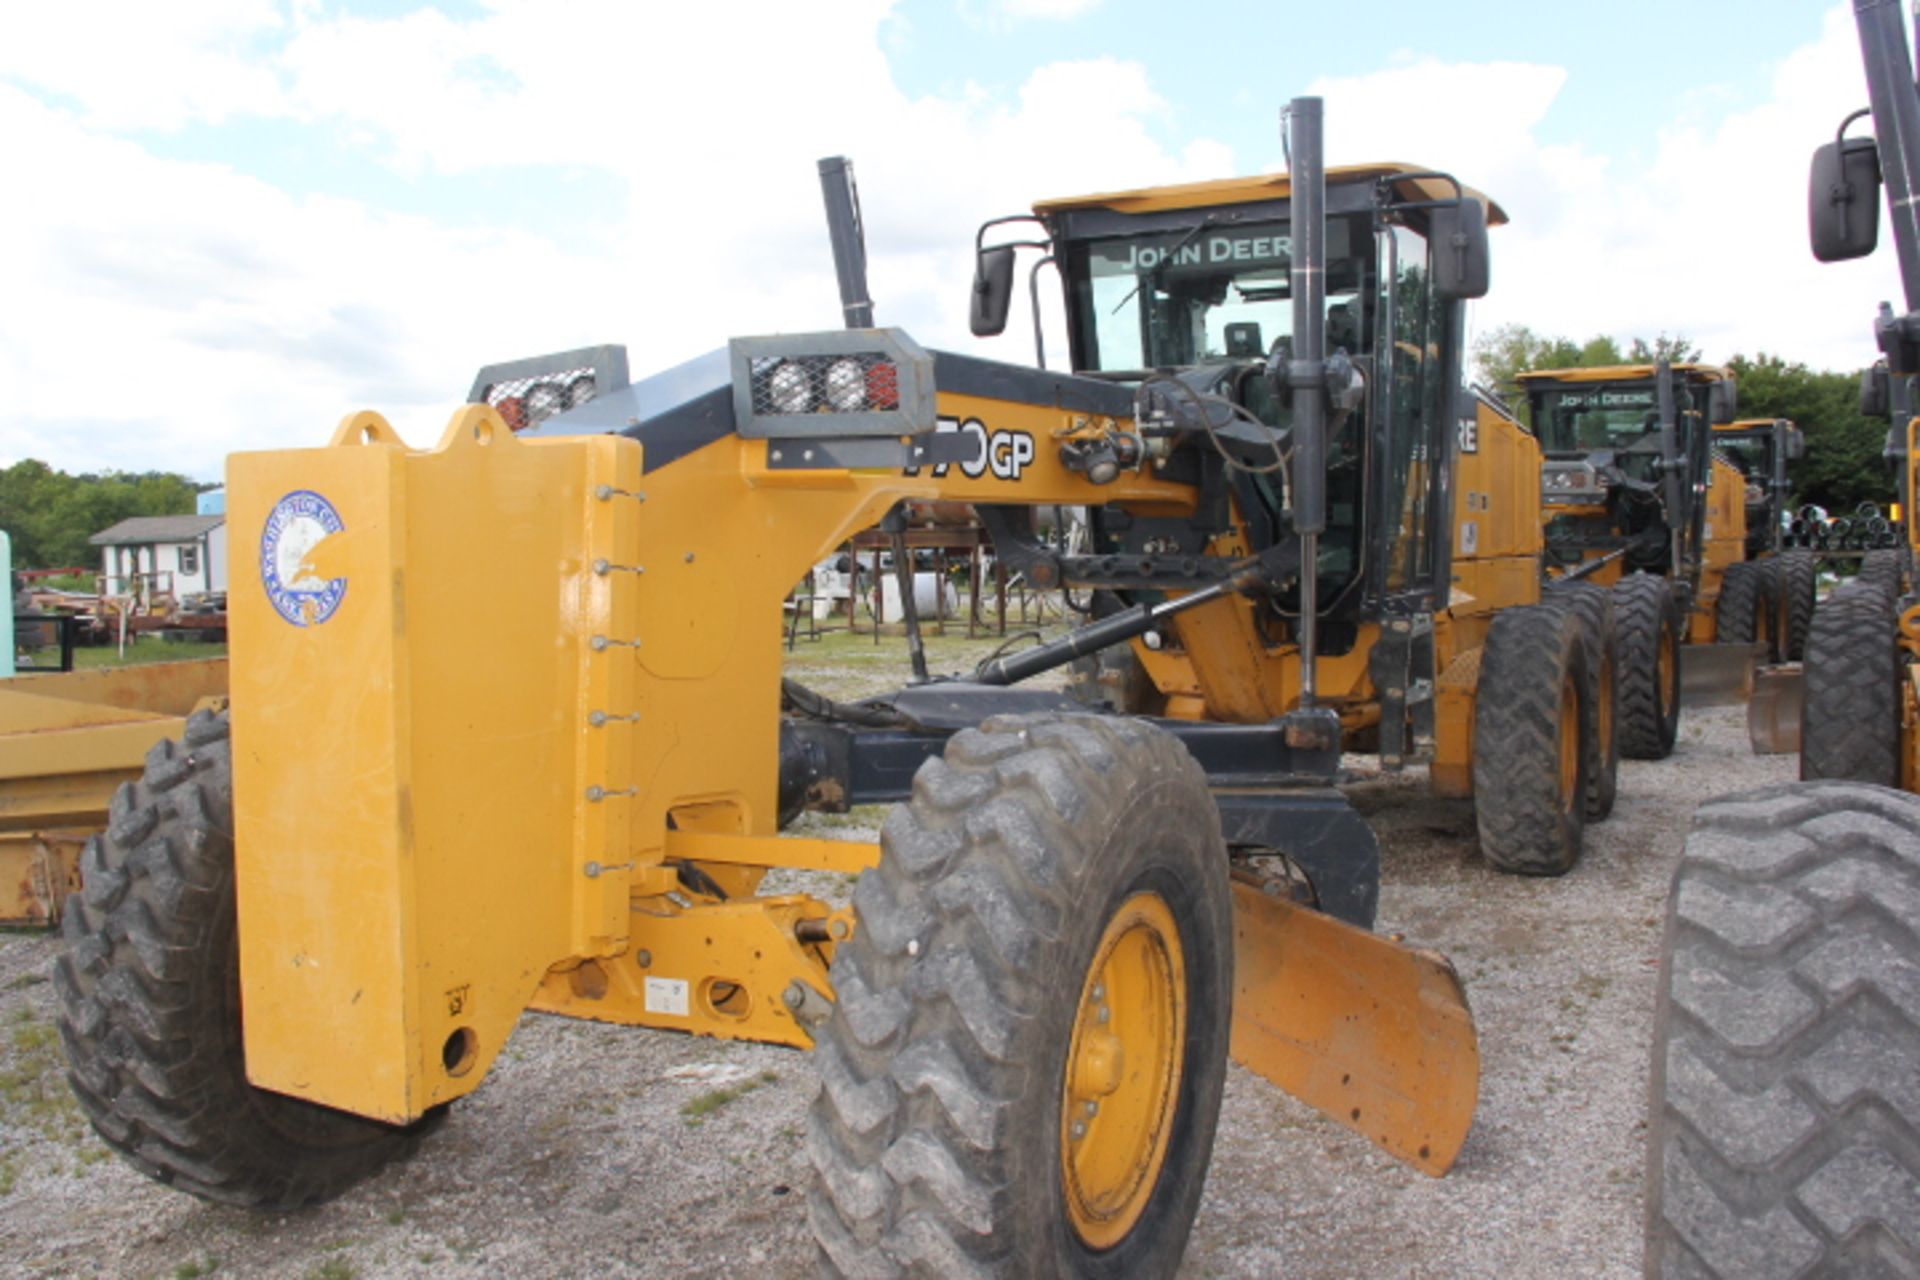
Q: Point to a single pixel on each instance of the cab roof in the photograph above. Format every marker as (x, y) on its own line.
(1273, 186)
(1626, 373)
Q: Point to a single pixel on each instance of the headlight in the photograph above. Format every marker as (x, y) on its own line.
(580, 391)
(846, 385)
(544, 399)
(789, 388)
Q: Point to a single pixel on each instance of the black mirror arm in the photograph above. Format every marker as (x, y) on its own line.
(1033, 297)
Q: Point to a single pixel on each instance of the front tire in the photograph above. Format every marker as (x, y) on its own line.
(1886, 569)
(1850, 724)
(149, 989)
(1041, 860)
(1782, 1102)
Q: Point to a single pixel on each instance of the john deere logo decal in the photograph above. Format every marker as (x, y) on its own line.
(299, 574)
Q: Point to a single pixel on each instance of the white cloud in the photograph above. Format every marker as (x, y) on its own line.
(162, 66)
(232, 314)
(1706, 237)
(163, 313)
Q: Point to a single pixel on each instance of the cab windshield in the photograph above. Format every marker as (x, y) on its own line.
(1750, 452)
(1581, 420)
(1206, 293)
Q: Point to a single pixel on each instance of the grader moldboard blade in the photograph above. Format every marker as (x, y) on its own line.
(1773, 713)
(1376, 1035)
(1716, 675)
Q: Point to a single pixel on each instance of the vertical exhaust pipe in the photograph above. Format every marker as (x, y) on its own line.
(847, 234)
(1306, 372)
(1672, 465)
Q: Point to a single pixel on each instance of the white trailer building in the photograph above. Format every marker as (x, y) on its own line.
(179, 555)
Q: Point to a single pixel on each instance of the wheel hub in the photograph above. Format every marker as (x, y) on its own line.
(1122, 1083)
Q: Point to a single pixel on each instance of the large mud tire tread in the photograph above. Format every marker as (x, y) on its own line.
(934, 1136)
(1594, 604)
(1886, 569)
(1528, 825)
(1738, 615)
(1850, 723)
(1644, 610)
(1783, 1113)
(1798, 584)
(150, 1006)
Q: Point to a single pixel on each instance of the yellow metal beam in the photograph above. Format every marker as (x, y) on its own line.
(777, 851)
(754, 969)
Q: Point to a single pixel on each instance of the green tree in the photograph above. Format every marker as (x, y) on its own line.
(1675, 350)
(50, 514)
(1842, 466)
(1501, 355)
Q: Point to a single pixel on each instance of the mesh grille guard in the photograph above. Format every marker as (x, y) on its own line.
(528, 392)
(840, 383)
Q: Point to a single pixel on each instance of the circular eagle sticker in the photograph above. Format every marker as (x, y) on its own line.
(299, 583)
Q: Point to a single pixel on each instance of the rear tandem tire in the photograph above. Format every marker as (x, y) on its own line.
(1594, 603)
(1649, 625)
(1850, 723)
(1797, 585)
(954, 1060)
(1529, 741)
(1740, 614)
(149, 988)
(1782, 1106)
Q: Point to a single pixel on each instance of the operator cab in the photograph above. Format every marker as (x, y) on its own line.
(1607, 461)
(1186, 293)
(1759, 449)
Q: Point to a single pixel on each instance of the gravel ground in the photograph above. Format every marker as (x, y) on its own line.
(592, 1149)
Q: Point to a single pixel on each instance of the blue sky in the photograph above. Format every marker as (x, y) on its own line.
(1632, 67)
(258, 215)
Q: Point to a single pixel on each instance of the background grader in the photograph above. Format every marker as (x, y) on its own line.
(399, 843)
(1782, 1111)
(1643, 494)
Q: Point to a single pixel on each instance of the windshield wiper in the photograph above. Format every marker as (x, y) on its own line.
(1153, 273)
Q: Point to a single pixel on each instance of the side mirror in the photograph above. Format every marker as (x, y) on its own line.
(1461, 266)
(1723, 402)
(1843, 200)
(1876, 398)
(992, 291)
(1796, 444)
(1243, 340)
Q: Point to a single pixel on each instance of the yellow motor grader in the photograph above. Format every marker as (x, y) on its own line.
(1642, 495)
(507, 732)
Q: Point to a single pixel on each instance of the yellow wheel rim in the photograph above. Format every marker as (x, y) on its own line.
(1122, 1086)
(1570, 797)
